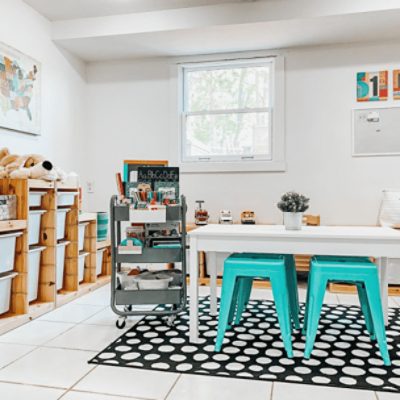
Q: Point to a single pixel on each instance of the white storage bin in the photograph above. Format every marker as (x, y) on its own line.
(5, 291)
(81, 237)
(35, 217)
(34, 269)
(61, 216)
(60, 262)
(7, 251)
(99, 261)
(66, 198)
(35, 199)
(81, 266)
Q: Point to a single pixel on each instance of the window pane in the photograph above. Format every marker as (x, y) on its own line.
(228, 134)
(229, 88)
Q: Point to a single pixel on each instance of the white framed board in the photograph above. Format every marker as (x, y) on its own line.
(376, 132)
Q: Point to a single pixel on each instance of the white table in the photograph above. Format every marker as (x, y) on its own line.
(379, 242)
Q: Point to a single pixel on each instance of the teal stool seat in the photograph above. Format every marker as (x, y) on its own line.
(357, 270)
(239, 272)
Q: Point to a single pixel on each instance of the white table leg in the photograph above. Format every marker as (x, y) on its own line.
(383, 266)
(194, 291)
(212, 270)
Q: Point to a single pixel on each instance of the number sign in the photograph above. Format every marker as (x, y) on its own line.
(372, 86)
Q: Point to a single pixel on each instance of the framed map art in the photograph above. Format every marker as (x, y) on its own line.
(20, 87)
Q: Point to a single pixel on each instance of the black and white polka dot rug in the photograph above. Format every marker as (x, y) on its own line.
(343, 355)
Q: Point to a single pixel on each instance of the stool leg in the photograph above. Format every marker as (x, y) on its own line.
(228, 288)
(315, 301)
(243, 298)
(291, 277)
(374, 300)
(306, 307)
(362, 295)
(236, 292)
(279, 291)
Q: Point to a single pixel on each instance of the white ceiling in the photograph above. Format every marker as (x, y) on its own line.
(55, 10)
(98, 30)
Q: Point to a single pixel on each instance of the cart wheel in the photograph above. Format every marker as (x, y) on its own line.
(171, 320)
(128, 308)
(121, 323)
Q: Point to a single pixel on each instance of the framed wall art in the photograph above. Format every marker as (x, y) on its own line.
(20, 91)
(372, 86)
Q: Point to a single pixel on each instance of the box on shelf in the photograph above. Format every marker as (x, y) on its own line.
(35, 218)
(102, 226)
(7, 251)
(66, 198)
(35, 199)
(34, 271)
(99, 261)
(5, 291)
(60, 263)
(61, 217)
(8, 207)
(81, 266)
(81, 235)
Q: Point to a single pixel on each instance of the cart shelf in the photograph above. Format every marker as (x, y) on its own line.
(151, 256)
(173, 213)
(167, 296)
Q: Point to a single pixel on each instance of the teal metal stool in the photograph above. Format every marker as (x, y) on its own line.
(239, 272)
(358, 270)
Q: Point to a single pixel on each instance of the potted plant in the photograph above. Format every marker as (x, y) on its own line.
(293, 205)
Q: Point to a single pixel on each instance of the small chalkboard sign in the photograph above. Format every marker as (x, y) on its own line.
(158, 174)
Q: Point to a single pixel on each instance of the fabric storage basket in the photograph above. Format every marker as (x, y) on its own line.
(8, 207)
(61, 217)
(5, 291)
(102, 226)
(7, 251)
(81, 237)
(34, 269)
(60, 262)
(81, 266)
(35, 218)
(99, 261)
(66, 198)
(35, 199)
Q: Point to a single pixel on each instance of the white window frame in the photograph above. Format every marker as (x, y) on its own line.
(196, 164)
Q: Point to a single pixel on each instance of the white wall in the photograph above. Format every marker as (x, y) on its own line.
(63, 88)
(129, 117)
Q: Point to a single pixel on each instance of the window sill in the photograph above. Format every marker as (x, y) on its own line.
(244, 166)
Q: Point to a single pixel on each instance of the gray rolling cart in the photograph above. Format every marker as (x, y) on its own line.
(122, 300)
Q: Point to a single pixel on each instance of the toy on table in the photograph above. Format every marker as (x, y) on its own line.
(248, 217)
(225, 217)
(201, 215)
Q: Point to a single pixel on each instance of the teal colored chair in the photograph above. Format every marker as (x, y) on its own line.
(357, 270)
(239, 272)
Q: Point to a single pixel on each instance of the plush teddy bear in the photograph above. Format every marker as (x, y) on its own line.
(4, 152)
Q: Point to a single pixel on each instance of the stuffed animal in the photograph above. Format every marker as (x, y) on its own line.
(30, 166)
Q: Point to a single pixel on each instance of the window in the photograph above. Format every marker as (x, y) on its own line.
(227, 111)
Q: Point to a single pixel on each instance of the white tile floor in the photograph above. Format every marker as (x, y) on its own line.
(47, 360)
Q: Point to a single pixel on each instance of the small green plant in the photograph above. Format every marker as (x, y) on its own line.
(293, 202)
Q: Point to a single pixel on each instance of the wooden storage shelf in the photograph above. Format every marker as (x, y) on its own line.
(12, 225)
(48, 298)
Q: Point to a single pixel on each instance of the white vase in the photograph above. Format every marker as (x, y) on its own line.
(293, 220)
